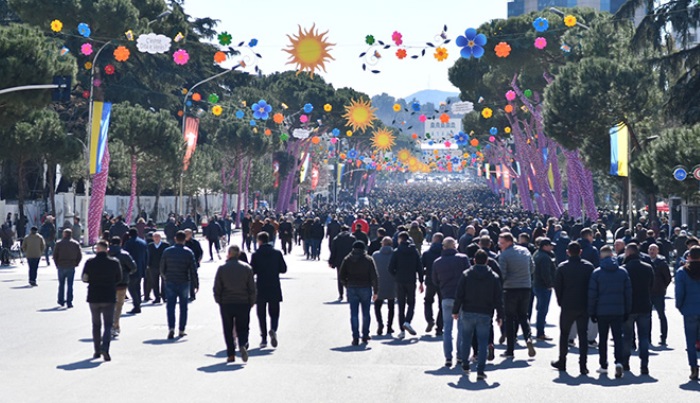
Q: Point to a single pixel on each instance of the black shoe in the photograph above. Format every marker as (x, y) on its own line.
(559, 365)
(355, 342)
(430, 327)
(583, 370)
(230, 359)
(61, 304)
(465, 368)
(366, 340)
(693, 373)
(171, 335)
(508, 354)
(33, 284)
(626, 367)
(481, 376)
(96, 355)
(156, 301)
(491, 354)
(389, 330)
(438, 333)
(645, 371)
(69, 305)
(244, 353)
(663, 343)
(146, 300)
(135, 311)
(448, 363)
(106, 356)
(380, 330)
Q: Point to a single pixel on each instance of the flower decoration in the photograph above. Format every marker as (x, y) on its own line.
(352, 154)
(86, 94)
(486, 113)
(56, 25)
(109, 69)
(213, 98)
(278, 118)
(369, 39)
(492, 139)
(448, 144)
(261, 110)
(472, 44)
(253, 43)
(540, 43)
(474, 142)
(121, 54)
(493, 131)
(225, 38)
(240, 114)
(217, 110)
(510, 95)
(86, 49)
(444, 118)
(252, 123)
(88, 65)
(196, 97)
(397, 38)
(422, 118)
(440, 54)
(461, 139)
(268, 132)
(84, 29)
(348, 133)
(284, 137)
(541, 24)
(180, 113)
(397, 108)
(308, 108)
(304, 118)
(414, 136)
(570, 21)
(97, 82)
(507, 130)
(401, 54)
(508, 108)
(528, 93)
(219, 57)
(181, 57)
(502, 49)
(315, 140)
(415, 106)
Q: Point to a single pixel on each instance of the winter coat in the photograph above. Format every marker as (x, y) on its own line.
(545, 270)
(571, 284)
(118, 229)
(48, 231)
(428, 258)
(138, 250)
(417, 235)
(662, 277)
(268, 263)
(128, 267)
(234, 283)
(170, 230)
(560, 249)
(177, 266)
(317, 231)
(447, 271)
(214, 231)
(609, 290)
(196, 248)
(642, 278)
(286, 230)
(688, 289)
(358, 270)
(479, 291)
(517, 267)
(589, 252)
(341, 247)
(464, 242)
(405, 264)
(102, 273)
(361, 236)
(33, 246)
(67, 253)
(387, 286)
(155, 253)
(333, 229)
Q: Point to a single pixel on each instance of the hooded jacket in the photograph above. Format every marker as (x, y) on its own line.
(358, 270)
(428, 259)
(447, 271)
(387, 286)
(609, 290)
(479, 291)
(688, 289)
(405, 264)
(589, 252)
(642, 279)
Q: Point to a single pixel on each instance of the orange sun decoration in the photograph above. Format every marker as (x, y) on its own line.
(309, 50)
(359, 115)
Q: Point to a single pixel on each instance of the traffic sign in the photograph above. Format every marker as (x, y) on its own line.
(680, 173)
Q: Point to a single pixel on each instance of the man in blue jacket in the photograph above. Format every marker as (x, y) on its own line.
(178, 269)
(609, 305)
(138, 250)
(642, 280)
(688, 302)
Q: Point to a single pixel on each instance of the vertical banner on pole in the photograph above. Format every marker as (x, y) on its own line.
(191, 135)
(101, 112)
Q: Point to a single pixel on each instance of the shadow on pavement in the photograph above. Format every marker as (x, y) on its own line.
(444, 371)
(223, 367)
(404, 342)
(258, 352)
(84, 364)
(603, 380)
(336, 302)
(511, 364)
(160, 342)
(466, 384)
(430, 338)
(54, 309)
(352, 349)
(220, 354)
(21, 287)
(693, 386)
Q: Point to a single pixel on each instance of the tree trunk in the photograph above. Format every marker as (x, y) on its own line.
(247, 184)
(154, 213)
(130, 209)
(652, 209)
(224, 185)
(51, 180)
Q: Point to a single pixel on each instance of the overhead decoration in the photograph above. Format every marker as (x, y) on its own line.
(153, 43)
(219, 57)
(440, 54)
(359, 115)
(121, 54)
(178, 37)
(86, 49)
(217, 110)
(570, 21)
(540, 43)
(508, 108)
(308, 108)
(400, 54)
(284, 137)
(56, 25)
(109, 69)
(64, 51)
(213, 98)
(181, 57)
(397, 38)
(315, 140)
(309, 50)
(461, 139)
(196, 97)
(444, 118)
(84, 30)
(327, 107)
(88, 65)
(261, 110)
(403, 155)
(486, 113)
(565, 48)
(472, 44)
(383, 140)
(397, 107)
(129, 35)
(502, 49)
(373, 55)
(278, 118)
(225, 38)
(541, 24)
(510, 95)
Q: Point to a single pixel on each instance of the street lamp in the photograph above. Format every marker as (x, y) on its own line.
(562, 14)
(86, 155)
(160, 16)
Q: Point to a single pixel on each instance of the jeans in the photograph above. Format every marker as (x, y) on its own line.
(215, 244)
(102, 314)
(316, 247)
(49, 245)
(378, 312)
(516, 303)
(543, 295)
(448, 322)
(341, 287)
(238, 316)
(360, 296)
(273, 309)
(659, 304)
(406, 294)
(481, 325)
(33, 268)
(614, 324)
(691, 324)
(643, 324)
(135, 290)
(247, 239)
(65, 275)
(121, 296)
(566, 321)
(431, 291)
(177, 294)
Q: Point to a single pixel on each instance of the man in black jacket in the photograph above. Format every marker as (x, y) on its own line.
(333, 230)
(662, 279)
(316, 235)
(360, 235)
(431, 289)
(286, 234)
(342, 246)
(478, 295)
(153, 280)
(214, 232)
(128, 268)
(268, 263)
(571, 288)
(406, 266)
(192, 244)
(102, 273)
(359, 275)
(178, 269)
(376, 245)
(543, 283)
(642, 279)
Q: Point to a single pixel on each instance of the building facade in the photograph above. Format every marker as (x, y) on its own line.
(520, 7)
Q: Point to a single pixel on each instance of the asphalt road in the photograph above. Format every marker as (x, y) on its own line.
(45, 355)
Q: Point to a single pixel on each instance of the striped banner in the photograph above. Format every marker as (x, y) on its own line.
(101, 112)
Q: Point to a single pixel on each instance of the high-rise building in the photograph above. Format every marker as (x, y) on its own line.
(520, 7)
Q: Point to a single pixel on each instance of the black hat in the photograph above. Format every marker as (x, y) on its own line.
(359, 245)
(545, 242)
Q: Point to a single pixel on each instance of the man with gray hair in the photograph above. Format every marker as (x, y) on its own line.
(153, 280)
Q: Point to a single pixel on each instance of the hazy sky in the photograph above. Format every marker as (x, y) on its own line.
(348, 22)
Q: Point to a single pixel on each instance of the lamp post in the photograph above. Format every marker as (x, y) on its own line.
(184, 117)
(562, 14)
(86, 155)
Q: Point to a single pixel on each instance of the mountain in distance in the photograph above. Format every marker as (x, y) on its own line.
(431, 96)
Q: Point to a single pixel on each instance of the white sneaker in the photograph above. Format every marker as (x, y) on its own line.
(401, 335)
(602, 370)
(409, 329)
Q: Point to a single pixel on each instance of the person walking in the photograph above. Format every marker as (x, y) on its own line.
(571, 288)
(387, 286)
(153, 281)
(33, 247)
(662, 279)
(286, 235)
(609, 305)
(416, 235)
(192, 244)
(405, 267)
(360, 235)
(516, 266)
(102, 274)
(342, 246)
(446, 272)
(67, 256)
(431, 289)
(214, 232)
(128, 268)
(178, 269)
(138, 250)
(642, 279)
(268, 263)
(478, 296)
(359, 276)
(316, 234)
(48, 231)
(234, 291)
(688, 303)
(545, 272)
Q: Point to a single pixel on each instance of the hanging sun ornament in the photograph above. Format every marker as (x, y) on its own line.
(502, 49)
(359, 115)
(383, 140)
(309, 50)
(570, 21)
(403, 155)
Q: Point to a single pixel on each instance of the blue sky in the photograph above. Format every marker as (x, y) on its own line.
(348, 22)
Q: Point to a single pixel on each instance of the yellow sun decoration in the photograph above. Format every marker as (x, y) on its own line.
(403, 155)
(383, 140)
(309, 50)
(359, 115)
